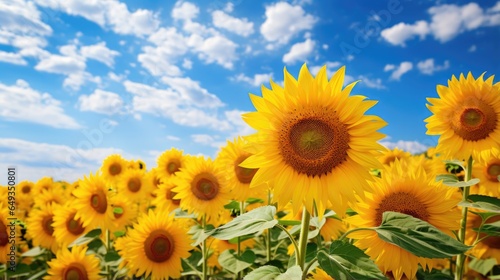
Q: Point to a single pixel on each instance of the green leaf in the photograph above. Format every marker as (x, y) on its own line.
(193, 261)
(447, 178)
(251, 222)
(293, 272)
(433, 275)
(21, 269)
(253, 200)
(418, 237)
(454, 162)
(33, 252)
(482, 266)
(230, 261)
(38, 275)
(485, 215)
(346, 261)
(118, 210)
(288, 222)
(233, 205)
(198, 233)
(492, 229)
(119, 233)
(488, 203)
(266, 272)
(462, 184)
(111, 257)
(91, 235)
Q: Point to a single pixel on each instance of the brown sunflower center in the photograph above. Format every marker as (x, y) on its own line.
(205, 186)
(402, 202)
(47, 224)
(173, 166)
(115, 169)
(99, 202)
(390, 159)
(171, 195)
(26, 189)
(159, 246)
(4, 236)
(134, 184)
(493, 171)
(314, 142)
(75, 271)
(74, 226)
(475, 122)
(243, 174)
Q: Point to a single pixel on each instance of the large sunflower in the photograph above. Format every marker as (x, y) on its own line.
(488, 171)
(313, 140)
(202, 188)
(170, 162)
(134, 184)
(92, 202)
(74, 265)
(113, 168)
(155, 246)
(40, 228)
(239, 178)
(407, 191)
(466, 116)
(66, 227)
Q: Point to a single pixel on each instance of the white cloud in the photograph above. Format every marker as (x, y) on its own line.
(204, 139)
(389, 67)
(218, 49)
(110, 14)
(401, 32)
(257, 80)
(192, 93)
(229, 7)
(495, 9)
(100, 53)
(472, 48)
(173, 138)
(100, 101)
(284, 21)
(22, 17)
(371, 83)
(115, 77)
(413, 147)
(427, 66)
(299, 51)
(238, 26)
(185, 10)
(400, 70)
(13, 58)
(20, 102)
(35, 160)
(186, 63)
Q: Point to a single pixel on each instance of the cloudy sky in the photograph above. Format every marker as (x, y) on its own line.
(81, 80)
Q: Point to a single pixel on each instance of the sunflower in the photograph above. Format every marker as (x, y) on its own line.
(488, 247)
(53, 195)
(488, 171)
(389, 156)
(44, 184)
(92, 202)
(320, 274)
(24, 195)
(124, 212)
(466, 116)
(219, 246)
(170, 162)
(113, 167)
(134, 184)
(74, 265)
(164, 199)
(238, 177)
(313, 141)
(155, 246)
(40, 228)
(155, 180)
(66, 227)
(137, 164)
(202, 188)
(6, 234)
(408, 191)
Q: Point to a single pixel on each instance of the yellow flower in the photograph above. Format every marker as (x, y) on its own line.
(74, 265)
(202, 188)
(134, 184)
(24, 195)
(92, 202)
(44, 184)
(466, 116)
(164, 199)
(124, 212)
(66, 227)
(313, 141)
(170, 162)
(155, 246)
(389, 156)
(406, 191)
(40, 227)
(488, 247)
(137, 164)
(9, 236)
(113, 167)
(219, 246)
(320, 274)
(487, 172)
(239, 178)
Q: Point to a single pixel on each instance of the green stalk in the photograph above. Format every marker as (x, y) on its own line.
(204, 250)
(108, 244)
(242, 211)
(463, 223)
(268, 235)
(304, 232)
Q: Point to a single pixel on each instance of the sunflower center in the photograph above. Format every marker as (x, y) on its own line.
(171, 195)
(74, 226)
(99, 202)
(4, 236)
(402, 202)
(493, 171)
(118, 214)
(390, 159)
(313, 142)
(75, 271)
(173, 167)
(159, 246)
(134, 184)
(475, 122)
(115, 169)
(492, 242)
(205, 186)
(47, 224)
(243, 174)
(26, 189)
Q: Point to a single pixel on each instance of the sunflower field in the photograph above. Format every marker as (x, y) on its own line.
(311, 195)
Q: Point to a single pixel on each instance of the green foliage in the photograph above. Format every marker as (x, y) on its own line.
(230, 261)
(482, 266)
(452, 180)
(483, 202)
(266, 272)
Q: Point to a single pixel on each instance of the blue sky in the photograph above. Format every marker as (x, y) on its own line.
(81, 80)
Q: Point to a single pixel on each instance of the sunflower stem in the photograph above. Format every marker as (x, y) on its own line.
(204, 250)
(108, 247)
(318, 236)
(242, 211)
(463, 222)
(268, 234)
(304, 232)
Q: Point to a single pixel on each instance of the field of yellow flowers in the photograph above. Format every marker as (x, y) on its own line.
(311, 195)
